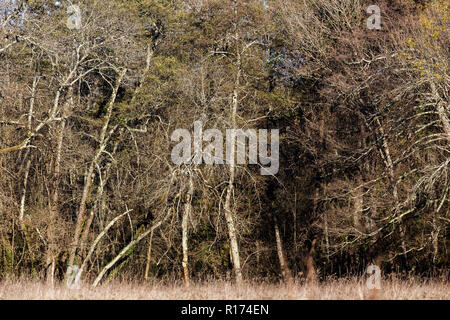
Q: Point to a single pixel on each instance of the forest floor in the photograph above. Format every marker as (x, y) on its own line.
(348, 289)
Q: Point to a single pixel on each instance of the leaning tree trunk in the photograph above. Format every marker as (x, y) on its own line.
(286, 273)
(99, 196)
(127, 248)
(94, 245)
(90, 173)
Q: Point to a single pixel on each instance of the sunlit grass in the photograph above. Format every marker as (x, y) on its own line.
(351, 289)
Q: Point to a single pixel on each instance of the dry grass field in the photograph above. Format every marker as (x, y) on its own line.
(348, 289)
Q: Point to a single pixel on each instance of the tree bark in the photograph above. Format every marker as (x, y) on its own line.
(232, 165)
(90, 172)
(442, 109)
(286, 273)
(234, 247)
(100, 189)
(311, 276)
(149, 255)
(184, 226)
(28, 165)
(50, 256)
(96, 241)
(124, 250)
(390, 170)
(358, 204)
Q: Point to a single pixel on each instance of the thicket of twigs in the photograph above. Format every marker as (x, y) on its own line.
(86, 117)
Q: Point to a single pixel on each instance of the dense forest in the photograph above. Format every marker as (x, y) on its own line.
(91, 92)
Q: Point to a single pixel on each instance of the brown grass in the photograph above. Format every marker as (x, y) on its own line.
(349, 289)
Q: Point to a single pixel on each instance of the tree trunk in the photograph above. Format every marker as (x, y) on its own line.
(94, 244)
(311, 276)
(358, 204)
(234, 247)
(149, 254)
(184, 226)
(281, 255)
(50, 255)
(390, 170)
(125, 250)
(90, 172)
(100, 189)
(442, 109)
(28, 155)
